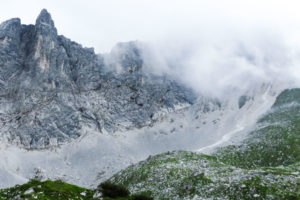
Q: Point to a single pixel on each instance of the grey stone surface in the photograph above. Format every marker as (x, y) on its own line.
(52, 89)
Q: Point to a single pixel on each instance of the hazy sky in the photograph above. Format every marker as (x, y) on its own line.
(102, 23)
(210, 45)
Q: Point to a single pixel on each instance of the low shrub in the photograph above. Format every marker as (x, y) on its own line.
(111, 190)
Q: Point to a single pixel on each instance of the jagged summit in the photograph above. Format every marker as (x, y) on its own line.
(45, 17)
(10, 25)
(9, 30)
(45, 23)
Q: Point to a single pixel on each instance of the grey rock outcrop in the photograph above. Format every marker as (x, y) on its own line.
(52, 89)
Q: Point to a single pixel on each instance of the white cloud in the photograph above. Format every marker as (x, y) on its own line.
(209, 44)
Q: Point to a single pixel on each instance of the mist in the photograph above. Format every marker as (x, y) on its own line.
(214, 66)
(211, 46)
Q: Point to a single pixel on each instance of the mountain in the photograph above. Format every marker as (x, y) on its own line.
(72, 115)
(53, 89)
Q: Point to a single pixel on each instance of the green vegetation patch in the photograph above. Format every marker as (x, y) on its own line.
(187, 175)
(288, 96)
(275, 142)
(59, 190)
(47, 190)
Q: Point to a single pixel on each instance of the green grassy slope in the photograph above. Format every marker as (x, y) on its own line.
(47, 190)
(265, 166)
(187, 175)
(275, 142)
(59, 190)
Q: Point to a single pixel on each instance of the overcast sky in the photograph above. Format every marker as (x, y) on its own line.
(102, 23)
(208, 44)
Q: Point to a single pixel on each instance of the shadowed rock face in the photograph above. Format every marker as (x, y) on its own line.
(53, 90)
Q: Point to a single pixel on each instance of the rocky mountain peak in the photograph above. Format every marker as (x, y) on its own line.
(9, 30)
(44, 23)
(10, 25)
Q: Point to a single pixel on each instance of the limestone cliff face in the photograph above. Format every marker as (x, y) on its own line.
(52, 89)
